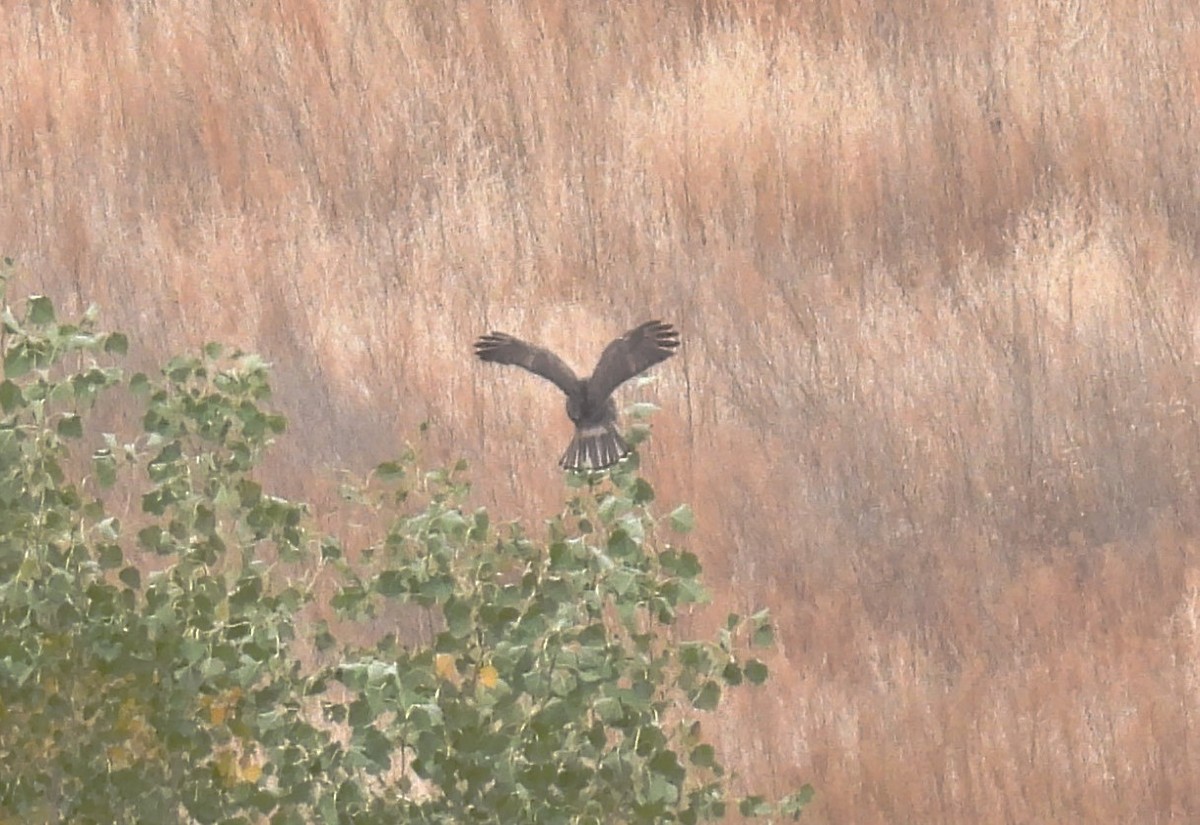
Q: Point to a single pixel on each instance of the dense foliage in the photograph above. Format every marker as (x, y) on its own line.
(164, 654)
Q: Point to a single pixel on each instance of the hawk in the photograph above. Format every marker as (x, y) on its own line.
(590, 405)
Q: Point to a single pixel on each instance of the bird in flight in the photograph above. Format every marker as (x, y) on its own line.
(590, 405)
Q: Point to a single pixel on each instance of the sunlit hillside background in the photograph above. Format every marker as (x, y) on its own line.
(935, 268)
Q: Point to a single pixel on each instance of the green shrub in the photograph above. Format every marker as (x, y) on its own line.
(159, 666)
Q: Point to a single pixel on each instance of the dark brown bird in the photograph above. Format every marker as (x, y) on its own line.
(590, 405)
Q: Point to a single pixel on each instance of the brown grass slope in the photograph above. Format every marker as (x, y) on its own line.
(934, 264)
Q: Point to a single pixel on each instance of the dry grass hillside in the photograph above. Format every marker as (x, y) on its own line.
(935, 267)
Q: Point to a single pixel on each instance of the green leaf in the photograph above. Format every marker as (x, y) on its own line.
(70, 426)
(390, 471)
(608, 710)
(248, 591)
(763, 636)
(156, 502)
(116, 343)
(376, 748)
(753, 806)
(452, 522)
(756, 672)
(685, 564)
(709, 696)
(350, 599)
(249, 493)
(459, 618)
(10, 396)
(623, 582)
(641, 410)
(331, 550)
(322, 638)
(17, 361)
(620, 544)
(703, 756)
(110, 556)
(107, 527)
(642, 492)
(793, 804)
(667, 763)
(479, 527)
(393, 583)
(131, 577)
(682, 519)
(150, 537)
(40, 310)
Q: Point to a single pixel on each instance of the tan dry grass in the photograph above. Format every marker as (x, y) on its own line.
(934, 265)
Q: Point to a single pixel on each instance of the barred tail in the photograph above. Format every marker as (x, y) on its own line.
(594, 448)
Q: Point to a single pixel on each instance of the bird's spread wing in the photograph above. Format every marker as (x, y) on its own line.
(504, 349)
(632, 353)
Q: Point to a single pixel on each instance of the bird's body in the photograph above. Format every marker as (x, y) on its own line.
(584, 411)
(590, 406)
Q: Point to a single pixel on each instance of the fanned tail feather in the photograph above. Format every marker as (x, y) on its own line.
(594, 448)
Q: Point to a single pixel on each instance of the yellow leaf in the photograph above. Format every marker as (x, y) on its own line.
(444, 666)
(119, 756)
(250, 771)
(227, 766)
(488, 676)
